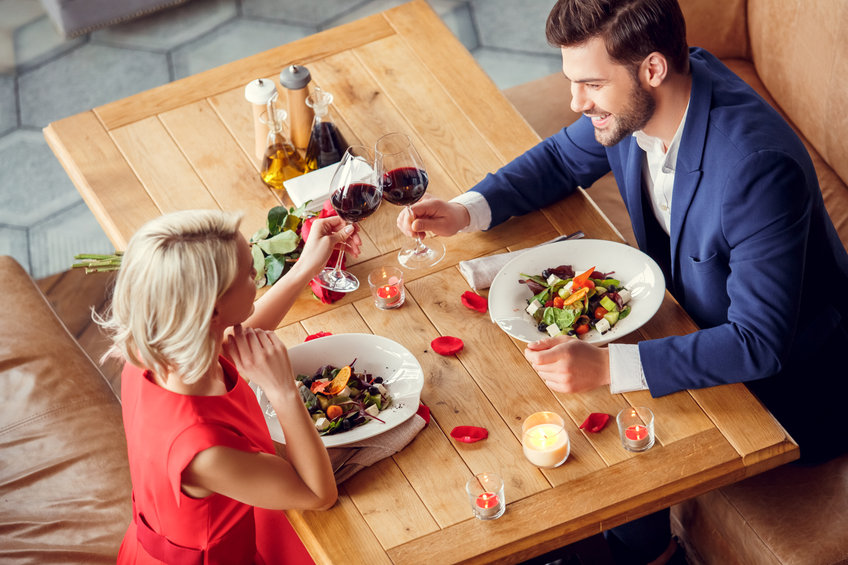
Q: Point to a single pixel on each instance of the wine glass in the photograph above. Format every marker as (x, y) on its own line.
(404, 181)
(355, 195)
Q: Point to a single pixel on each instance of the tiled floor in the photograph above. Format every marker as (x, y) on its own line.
(43, 77)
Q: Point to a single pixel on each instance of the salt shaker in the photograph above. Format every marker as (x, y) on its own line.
(258, 92)
(295, 79)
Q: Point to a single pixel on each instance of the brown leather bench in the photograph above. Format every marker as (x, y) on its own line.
(790, 52)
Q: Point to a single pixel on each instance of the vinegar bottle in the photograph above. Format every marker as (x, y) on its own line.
(326, 144)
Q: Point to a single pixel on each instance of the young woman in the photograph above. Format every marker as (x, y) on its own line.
(207, 484)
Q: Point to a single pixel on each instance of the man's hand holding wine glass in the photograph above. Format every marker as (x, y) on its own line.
(433, 215)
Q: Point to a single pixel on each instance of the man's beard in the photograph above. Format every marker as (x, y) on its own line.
(633, 118)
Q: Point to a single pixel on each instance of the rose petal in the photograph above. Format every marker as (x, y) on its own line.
(474, 301)
(316, 336)
(595, 422)
(424, 412)
(469, 434)
(447, 345)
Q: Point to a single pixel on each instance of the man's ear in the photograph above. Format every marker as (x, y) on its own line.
(654, 69)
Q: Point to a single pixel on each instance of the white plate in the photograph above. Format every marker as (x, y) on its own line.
(382, 357)
(637, 272)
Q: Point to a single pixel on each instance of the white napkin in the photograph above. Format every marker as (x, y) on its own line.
(314, 186)
(350, 459)
(480, 272)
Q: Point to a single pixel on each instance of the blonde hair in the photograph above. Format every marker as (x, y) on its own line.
(174, 270)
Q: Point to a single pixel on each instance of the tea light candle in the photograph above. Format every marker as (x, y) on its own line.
(545, 440)
(637, 437)
(386, 287)
(388, 294)
(636, 428)
(488, 505)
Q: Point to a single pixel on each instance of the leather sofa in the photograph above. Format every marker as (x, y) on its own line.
(790, 52)
(65, 492)
(76, 17)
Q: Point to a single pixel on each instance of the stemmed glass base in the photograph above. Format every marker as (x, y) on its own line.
(416, 255)
(337, 280)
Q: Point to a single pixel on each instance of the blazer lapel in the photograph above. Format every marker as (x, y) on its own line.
(690, 156)
(633, 186)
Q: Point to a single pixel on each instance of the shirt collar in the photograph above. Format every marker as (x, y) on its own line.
(650, 144)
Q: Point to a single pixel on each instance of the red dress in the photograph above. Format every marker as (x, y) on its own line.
(165, 430)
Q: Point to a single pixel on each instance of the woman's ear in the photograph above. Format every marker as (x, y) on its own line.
(654, 69)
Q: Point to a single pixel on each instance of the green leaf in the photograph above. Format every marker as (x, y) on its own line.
(275, 267)
(258, 261)
(276, 219)
(282, 243)
(260, 234)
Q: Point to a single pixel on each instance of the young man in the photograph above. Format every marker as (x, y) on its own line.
(721, 193)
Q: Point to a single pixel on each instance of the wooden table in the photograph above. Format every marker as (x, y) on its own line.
(188, 145)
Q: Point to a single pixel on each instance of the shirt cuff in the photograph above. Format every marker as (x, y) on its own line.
(626, 373)
(478, 210)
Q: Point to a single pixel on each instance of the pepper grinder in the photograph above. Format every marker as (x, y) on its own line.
(258, 92)
(295, 79)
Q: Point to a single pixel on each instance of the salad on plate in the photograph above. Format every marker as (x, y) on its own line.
(340, 399)
(565, 303)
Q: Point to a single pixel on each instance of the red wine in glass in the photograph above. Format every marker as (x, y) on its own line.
(404, 186)
(404, 181)
(357, 202)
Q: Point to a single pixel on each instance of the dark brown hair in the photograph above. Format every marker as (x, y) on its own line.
(630, 29)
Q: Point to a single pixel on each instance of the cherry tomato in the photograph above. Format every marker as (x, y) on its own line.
(549, 303)
(558, 302)
(600, 312)
(581, 329)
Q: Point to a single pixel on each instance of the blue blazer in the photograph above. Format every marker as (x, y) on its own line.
(752, 256)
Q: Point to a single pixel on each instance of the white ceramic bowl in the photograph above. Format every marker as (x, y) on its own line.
(637, 272)
(380, 356)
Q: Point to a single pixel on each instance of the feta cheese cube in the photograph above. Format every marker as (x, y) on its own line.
(625, 295)
(533, 307)
(602, 325)
(553, 279)
(322, 424)
(553, 330)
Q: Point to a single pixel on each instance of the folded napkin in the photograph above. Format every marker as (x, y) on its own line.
(352, 458)
(480, 272)
(313, 187)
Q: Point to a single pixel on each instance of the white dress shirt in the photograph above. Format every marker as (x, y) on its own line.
(658, 168)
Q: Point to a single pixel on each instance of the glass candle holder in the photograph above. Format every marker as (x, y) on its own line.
(545, 440)
(486, 496)
(636, 428)
(387, 287)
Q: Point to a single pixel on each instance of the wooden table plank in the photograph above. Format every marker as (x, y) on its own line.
(570, 511)
(239, 73)
(163, 170)
(468, 85)
(104, 179)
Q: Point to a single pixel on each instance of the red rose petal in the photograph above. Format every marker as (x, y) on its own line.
(595, 422)
(316, 336)
(447, 345)
(424, 412)
(469, 434)
(474, 301)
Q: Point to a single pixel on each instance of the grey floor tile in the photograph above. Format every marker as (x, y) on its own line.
(507, 24)
(38, 41)
(84, 78)
(54, 243)
(8, 104)
(7, 51)
(33, 185)
(232, 41)
(507, 68)
(300, 12)
(169, 28)
(13, 241)
(459, 19)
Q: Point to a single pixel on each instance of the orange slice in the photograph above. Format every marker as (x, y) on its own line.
(340, 381)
